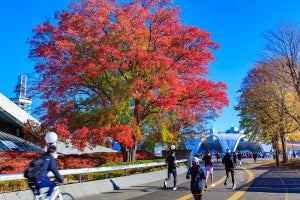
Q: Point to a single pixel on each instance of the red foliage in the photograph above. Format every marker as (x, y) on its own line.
(15, 161)
(103, 54)
(141, 154)
(12, 162)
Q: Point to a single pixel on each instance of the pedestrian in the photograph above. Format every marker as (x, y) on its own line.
(208, 163)
(239, 157)
(172, 164)
(254, 157)
(229, 167)
(49, 164)
(197, 175)
(234, 156)
(218, 157)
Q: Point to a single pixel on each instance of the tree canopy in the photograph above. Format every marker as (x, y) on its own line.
(269, 101)
(120, 69)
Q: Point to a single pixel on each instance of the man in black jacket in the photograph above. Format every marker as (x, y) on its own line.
(49, 164)
(172, 164)
(229, 167)
(197, 175)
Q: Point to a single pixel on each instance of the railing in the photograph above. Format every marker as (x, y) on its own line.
(9, 177)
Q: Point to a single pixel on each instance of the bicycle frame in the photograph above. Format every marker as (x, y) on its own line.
(55, 195)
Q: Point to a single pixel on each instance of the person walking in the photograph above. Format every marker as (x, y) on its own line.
(229, 167)
(234, 156)
(49, 164)
(239, 157)
(209, 170)
(197, 175)
(254, 157)
(172, 164)
(217, 157)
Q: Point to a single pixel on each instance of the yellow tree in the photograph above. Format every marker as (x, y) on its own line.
(266, 105)
(283, 46)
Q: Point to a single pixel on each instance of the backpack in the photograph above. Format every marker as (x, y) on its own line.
(33, 169)
(197, 174)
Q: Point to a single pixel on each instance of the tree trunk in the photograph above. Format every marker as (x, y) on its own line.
(275, 145)
(129, 153)
(277, 157)
(284, 153)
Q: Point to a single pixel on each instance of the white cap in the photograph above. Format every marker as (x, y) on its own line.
(51, 137)
(172, 147)
(195, 159)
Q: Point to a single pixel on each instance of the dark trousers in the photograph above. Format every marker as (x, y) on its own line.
(174, 173)
(46, 182)
(231, 170)
(198, 197)
(197, 190)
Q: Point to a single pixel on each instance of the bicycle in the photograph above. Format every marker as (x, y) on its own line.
(56, 195)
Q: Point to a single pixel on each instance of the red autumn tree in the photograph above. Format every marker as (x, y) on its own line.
(34, 132)
(111, 68)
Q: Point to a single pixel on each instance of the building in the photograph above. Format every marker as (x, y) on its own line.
(12, 118)
(233, 139)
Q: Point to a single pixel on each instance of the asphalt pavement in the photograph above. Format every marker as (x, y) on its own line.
(254, 181)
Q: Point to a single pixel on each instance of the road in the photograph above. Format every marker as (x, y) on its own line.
(254, 181)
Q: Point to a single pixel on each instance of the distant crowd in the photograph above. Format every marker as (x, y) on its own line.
(218, 155)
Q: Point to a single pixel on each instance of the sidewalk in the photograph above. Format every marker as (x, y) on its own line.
(79, 190)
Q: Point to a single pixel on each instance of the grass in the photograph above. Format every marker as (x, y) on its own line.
(292, 164)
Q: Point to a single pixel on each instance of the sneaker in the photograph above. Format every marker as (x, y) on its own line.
(175, 188)
(225, 183)
(213, 185)
(165, 184)
(233, 187)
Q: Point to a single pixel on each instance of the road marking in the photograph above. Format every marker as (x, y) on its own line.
(240, 193)
(208, 188)
(237, 194)
(286, 189)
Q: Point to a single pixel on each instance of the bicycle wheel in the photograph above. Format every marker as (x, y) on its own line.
(65, 196)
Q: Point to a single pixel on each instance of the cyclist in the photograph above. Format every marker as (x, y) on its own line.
(49, 164)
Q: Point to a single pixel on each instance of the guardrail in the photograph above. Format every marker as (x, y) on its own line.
(10, 177)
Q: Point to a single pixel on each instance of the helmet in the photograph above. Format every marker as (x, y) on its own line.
(227, 150)
(173, 147)
(51, 137)
(195, 159)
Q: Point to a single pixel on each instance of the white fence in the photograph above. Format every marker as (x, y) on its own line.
(9, 177)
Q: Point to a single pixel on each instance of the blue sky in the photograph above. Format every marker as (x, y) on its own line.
(236, 25)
